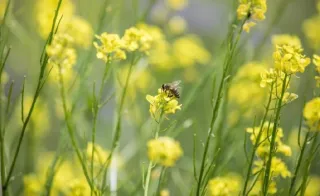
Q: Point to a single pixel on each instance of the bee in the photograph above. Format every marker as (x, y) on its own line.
(172, 89)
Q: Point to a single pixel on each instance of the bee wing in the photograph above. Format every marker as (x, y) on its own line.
(175, 84)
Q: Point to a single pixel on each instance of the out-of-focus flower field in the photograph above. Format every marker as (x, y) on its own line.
(159, 97)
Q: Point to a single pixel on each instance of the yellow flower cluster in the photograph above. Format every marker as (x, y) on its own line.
(162, 104)
(251, 9)
(100, 155)
(112, 47)
(311, 29)
(278, 167)
(177, 25)
(316, 62)
(311, 113)
(264, 147)
(62, 57)
(224, 186)
(176, 4)
(245, 91)
(289, 59)
(73, 25)
(285, 39)
(68, 179)
(3, 5)
(164, 151)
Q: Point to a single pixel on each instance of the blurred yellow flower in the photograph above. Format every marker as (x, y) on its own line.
(286, 39)
(289, 59)
(188, 50)
(100, 155)
(316, 62)
(162, 103)
(32, 185)
(76, 27)
(313, 187)
(278, 168)
(164, 192)
(61, 52)
(254, 10)
(228, 185)
(78, 187)
(3, 5)
(111, 47)
(245, 91)
(311, 113)
(164, 151)
(176, 4)
(137, 39)
(177, 25)
(311, 29)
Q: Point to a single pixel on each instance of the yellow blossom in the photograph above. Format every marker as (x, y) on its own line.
(285, 39)
(311, 113)
(137, 39)
(111, 47)
(289, 59)
(248, 25)
(100, 155)
(224, 186)
(32, 185)
(78, 187)
(61, 52)
(3, 5)
(278, 167)
(164, 192)
(162, 103)
(177, 25)
(164, 151)
(313, 187)
(316, 62)
(177, 4)
(289, 97)
(311, 29)
(189, 50)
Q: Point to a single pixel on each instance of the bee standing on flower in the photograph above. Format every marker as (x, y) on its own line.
(172, 89)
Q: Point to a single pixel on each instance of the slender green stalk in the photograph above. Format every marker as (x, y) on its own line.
(257, 143)
(313, 149)
(266, 178)
(95, 111)
(299, 161)
(35, 97)
(228, 59)
(71, 130)
(151, 164)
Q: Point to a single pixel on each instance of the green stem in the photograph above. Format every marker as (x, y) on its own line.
(146, 186)
(257, 143)
(273, 137)
(227, 64)
(70, 129)
(303, 148)
(308, 164)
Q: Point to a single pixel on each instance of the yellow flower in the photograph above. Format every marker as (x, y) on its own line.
(32, 185)
(162, 103)
(289, 97)
(285, 39)
(311, 113)
(251, 9)
(311, 29)
(164, 192)
(3, 5)
(177, 25)
(248, 25)
(61, 52)
(177, 4)
(137, 39)
(100, 155)
(313, 187)
(278, 168)
(111, 47)
(78, 187)
(264, 142)
(289, 59)
(270, 76)
(80, 30)
(316, 62)
(189, 50)
(224, 186)
(45, 11)
(164, 151)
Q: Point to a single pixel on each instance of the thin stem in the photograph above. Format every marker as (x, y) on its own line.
(273, 138)
(227, 64)
(146, 185)
(257, 143)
